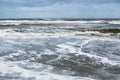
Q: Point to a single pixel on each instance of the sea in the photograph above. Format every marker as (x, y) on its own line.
(60, 49)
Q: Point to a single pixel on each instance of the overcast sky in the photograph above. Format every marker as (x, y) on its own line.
(59, 8)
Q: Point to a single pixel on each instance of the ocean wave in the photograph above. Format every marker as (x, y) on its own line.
(12, 70)
(59, 54)
(28, 22)
(11, 34)
(114, 22)
(79, 50)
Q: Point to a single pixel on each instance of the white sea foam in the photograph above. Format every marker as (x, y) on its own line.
(48, 52)
(18, 22)
(102, 59)
(16, 35)
(9, 38)
(12, 68)
(10, 34)
(114, 22)
(66, 48)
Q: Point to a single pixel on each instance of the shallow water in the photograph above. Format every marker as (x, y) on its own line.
(59, 50)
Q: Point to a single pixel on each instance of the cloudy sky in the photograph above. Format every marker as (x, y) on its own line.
(59, 8)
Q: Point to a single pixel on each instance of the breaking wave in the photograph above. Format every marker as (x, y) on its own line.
(29, 22)
(75, 50)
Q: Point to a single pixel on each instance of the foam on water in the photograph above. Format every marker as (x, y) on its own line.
(114, 22)
(19, 22)
(12, 68)
(18, 35)
(65, 48)
(102, 59)
(68, 48)
(59, 55)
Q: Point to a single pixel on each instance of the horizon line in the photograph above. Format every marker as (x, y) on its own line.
(53, 18)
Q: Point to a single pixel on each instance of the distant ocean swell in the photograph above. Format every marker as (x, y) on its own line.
(22, 22)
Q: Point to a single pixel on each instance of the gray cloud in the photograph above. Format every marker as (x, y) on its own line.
(71, 10)
(17, 3)
(60, 9)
